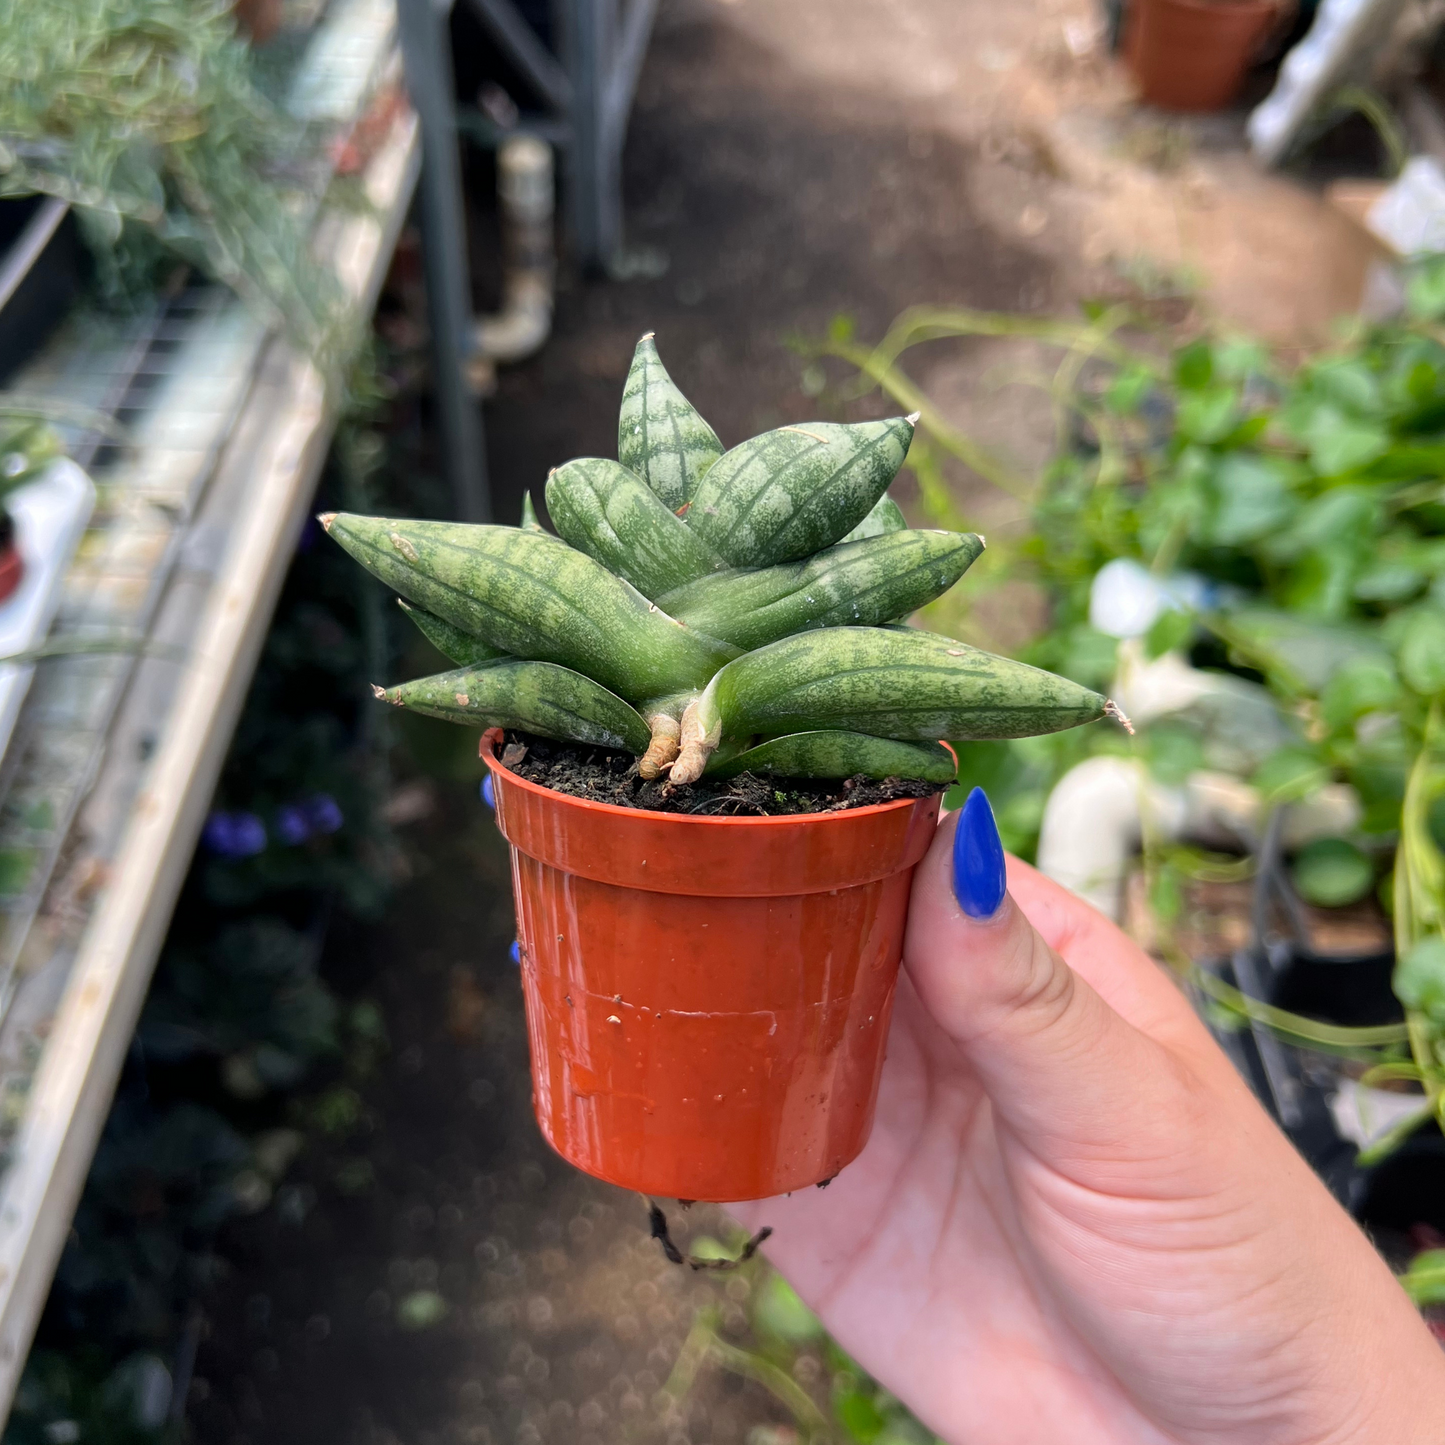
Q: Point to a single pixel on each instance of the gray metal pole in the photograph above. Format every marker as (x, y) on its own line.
(426, 51)
(589, 40)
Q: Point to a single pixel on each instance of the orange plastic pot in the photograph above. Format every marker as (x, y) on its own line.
(1192, 54)
(707, 998)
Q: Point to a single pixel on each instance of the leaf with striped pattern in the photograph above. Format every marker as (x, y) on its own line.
(791, 492)
(660, 434)
(536, 697)
(533, 596)
(604, 510)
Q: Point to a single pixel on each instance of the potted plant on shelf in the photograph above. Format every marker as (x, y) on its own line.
(1191, 55)
(27, 447)
(708, 996)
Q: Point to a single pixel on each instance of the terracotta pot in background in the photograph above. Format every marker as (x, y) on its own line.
(1192, 54)
(707, 998)
(260, 19)
(12, 565)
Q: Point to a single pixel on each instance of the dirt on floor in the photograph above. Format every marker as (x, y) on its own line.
(431, 1273)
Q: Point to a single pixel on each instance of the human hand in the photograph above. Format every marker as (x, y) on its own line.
(1073, 1221)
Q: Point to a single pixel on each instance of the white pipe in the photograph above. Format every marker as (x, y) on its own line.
(527, 195)
(1093, 825)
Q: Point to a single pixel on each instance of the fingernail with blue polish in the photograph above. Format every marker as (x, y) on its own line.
(489, 796)
(979, 881)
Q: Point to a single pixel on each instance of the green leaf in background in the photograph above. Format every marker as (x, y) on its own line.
(1424, 1281)
(1239, 358)
(859, 1415)
(1435, 822)
(1290, 774)
(420, 1310)
(1425, 292)
(1331, 873)
(1019, 820)
(1362, 685)
(1349, 383)
(1339, 443)
(1088, 657)
(1303, 649)
(1208, 415)
(1251, 499)
(1319, 584)
(1194, 366)
(1422, 651)
(1173, 751)
(1128, 389)
(1166, 894)
(780, 1314)
(1172, 629)
(1388, 581)
(1419, 979)
(1345, 517)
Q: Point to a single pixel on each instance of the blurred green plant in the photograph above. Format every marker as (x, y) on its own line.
(147, 113)
(240, 1023)
(1304, 506)
(780, 1345)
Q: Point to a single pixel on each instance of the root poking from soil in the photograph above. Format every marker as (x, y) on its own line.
(607, 777)
(657, 1220)
(666, 732)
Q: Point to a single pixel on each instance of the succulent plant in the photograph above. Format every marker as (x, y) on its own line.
(712, 611)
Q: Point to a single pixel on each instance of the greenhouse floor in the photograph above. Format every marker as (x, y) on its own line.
(430, 1272)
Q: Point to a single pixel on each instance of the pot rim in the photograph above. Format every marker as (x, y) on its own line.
(489, 755)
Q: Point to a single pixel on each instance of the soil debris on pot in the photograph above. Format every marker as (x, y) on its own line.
(608, 777)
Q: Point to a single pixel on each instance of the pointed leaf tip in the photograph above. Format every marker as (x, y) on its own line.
(912, 418)
(646, 336)
(1113, 710)
(378, 692)
(326, 519)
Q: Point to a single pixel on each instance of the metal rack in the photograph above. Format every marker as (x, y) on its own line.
(586, 93)
(116, 753)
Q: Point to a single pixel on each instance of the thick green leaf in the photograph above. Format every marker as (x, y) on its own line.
(791, 492)
(661, 436)
(855, 583)
(461, 647)
(893, 683)
(833, 754)
(886, 516)
(535, 697)
(606, 511)
(533, 596)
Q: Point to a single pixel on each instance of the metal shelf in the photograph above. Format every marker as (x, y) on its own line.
(116, 754)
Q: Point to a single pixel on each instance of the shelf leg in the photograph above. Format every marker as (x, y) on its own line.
(426, 51)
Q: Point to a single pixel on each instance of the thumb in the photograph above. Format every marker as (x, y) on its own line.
(1061, 1068)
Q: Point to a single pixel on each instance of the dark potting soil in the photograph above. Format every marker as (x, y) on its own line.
(608, 777)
